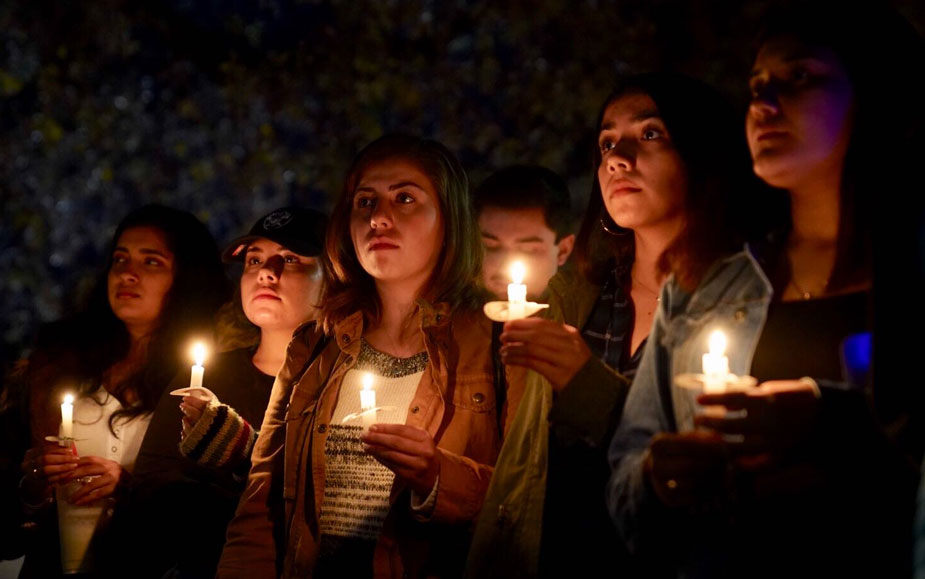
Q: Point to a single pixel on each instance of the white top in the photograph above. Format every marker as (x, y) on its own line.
(93, 436)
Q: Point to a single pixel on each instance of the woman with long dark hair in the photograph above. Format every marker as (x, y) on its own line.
(202, 466)
(346, 486)
(670, 165)
(798, 476)
(162, 284)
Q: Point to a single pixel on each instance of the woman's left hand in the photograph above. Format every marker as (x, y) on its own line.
(106, 476)
(779, 414)
(407, 451)
(192, 408)
(557, 351)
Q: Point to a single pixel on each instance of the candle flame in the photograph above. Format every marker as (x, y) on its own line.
(518, 271)
(199, 353)
(717, 343)
(68, 398)
(367, 380)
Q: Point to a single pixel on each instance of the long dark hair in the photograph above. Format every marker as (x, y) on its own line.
(348, 287)
(876, 47)
(80, 349)
(708, 136)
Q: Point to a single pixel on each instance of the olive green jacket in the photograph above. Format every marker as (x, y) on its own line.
(509, 529)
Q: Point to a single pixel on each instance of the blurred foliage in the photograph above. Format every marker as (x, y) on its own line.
(230, 109)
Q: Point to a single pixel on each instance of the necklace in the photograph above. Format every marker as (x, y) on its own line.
(805, 294)
(658, 298)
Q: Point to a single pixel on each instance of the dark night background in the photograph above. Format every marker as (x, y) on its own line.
(229, 108)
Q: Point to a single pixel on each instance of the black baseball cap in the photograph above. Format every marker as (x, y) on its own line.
(295, 228)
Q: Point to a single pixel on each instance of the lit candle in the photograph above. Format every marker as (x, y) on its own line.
(67, 417)
(367, 401)
(199, 356)
(715, 364)
(516, 291)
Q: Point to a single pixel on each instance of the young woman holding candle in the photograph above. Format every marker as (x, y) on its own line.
(324, 496)
(203, 468)
(163, 283)
(797, 477)
(666, 167)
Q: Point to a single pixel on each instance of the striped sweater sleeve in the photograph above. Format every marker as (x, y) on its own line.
(221, 438)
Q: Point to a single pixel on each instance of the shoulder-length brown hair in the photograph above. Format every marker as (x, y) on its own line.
(720, 207)
(348, 287)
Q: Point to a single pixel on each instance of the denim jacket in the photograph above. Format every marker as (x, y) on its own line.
(734, 298)
(848, 449)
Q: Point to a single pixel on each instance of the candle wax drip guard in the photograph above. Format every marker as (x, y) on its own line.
(730, 382)
(358, 415)
(501, 311)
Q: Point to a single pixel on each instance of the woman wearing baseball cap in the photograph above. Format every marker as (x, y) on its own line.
(196, 476)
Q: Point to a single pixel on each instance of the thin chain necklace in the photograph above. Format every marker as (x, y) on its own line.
(805, 294)
(658, 298)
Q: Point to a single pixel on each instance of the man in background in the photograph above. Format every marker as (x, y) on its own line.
(524, 214)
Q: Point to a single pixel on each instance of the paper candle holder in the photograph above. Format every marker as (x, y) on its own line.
(501, 311)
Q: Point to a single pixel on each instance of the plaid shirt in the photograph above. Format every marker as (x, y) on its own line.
(609, 328)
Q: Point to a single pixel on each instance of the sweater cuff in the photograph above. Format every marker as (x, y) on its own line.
(423, 508)
(221, 438)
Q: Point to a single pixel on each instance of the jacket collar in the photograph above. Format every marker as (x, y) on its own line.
(739, 274)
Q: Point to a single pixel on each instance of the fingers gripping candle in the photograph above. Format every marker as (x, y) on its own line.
(517, 291)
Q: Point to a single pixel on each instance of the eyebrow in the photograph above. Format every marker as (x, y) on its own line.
(795, 56)
(143, 251)
(638, 117)
(531, 239)
(400, 185)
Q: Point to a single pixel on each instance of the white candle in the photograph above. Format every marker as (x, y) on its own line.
(199, 356)
(367, 401)
(715, 364)
(516, 291)
(67, 417)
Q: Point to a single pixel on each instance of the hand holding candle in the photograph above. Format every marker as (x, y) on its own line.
(516, 307)
(195, 388)
(715, 377)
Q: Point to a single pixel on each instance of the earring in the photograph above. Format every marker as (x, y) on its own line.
(614, 229)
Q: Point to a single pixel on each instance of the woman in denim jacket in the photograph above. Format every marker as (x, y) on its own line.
(805, 480)
(659, 176)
